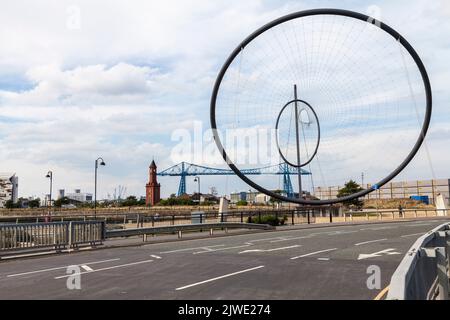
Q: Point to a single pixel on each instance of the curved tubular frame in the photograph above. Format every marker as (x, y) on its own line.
(318, 135)
(314, 12)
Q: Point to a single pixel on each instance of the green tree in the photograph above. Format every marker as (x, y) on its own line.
(9, 204)
(60, 202)
(131, 201)
(36, 203)
(350, 188)
(242, 203)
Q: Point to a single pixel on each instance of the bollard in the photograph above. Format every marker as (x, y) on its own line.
(211, 232)
(393, 216)
(351, 218)
(180, 234)
(367, 216)
(345, 217)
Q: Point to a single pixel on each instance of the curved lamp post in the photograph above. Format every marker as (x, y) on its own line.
(98, 162)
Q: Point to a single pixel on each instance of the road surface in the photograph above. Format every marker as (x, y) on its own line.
(318, 263)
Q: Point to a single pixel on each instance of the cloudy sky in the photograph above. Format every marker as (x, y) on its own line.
(83, 79)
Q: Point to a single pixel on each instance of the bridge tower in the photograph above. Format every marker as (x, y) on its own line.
(153, 188)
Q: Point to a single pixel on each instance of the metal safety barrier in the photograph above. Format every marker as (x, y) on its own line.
(179, 229)
(424, 272)
(46, 235)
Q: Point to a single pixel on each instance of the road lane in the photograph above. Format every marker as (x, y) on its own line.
(318, 273)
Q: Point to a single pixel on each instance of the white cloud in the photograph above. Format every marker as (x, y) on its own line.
(134, 72)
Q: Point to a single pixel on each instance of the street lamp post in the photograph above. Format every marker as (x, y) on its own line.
(197, 179)
(50, 176)
(102, 163)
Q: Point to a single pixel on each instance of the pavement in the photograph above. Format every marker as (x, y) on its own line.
(329, 262)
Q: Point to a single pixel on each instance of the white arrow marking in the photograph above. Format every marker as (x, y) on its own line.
(388, 252)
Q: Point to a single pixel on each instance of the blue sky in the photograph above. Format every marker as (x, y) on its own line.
(82, 79)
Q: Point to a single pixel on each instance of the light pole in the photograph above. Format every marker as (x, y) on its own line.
(197, 179)
(102, 163)
(50, 176)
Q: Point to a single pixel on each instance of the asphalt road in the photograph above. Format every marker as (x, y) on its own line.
(319, 263)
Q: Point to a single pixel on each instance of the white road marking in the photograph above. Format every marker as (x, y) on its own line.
(104, 269)
(419, 225)
(270, 250)
(337, 233)
(218, 278)
(367, 242)
(289, 239)
(155, 256)
(413, 235)
(58, 268)
(267, 239)
(323, 259)
(87, 268)
(313, 253)
(379, 228)
(388, 252)
(222, 249)
(192, 249)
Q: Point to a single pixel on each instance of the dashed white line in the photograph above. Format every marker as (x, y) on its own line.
(192, 249)
(222, 249)
(218, 278)
(289, 239)
(269, 250)
(368, 242)
(377, 229)
(267, 239)
(313, 253)
(155, 256)
(413, 235)
(58, 268)
(87, 268)
(104, 269)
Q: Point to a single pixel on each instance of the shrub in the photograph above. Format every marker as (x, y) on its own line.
(268, 219)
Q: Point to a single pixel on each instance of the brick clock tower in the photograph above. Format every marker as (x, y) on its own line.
(153, 187)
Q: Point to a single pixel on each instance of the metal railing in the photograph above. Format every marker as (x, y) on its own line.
(46, 235)
(424, 272)
(179, 229)
(298, 216)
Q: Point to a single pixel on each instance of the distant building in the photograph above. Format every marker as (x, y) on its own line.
(396, 190)
(152, 188)
(61, 193)
(9, 188)
(78, 196)
(236, 197)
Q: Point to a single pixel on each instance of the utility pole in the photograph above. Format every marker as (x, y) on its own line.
(297, 134)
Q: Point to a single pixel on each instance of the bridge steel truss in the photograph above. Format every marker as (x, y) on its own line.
(185, 169)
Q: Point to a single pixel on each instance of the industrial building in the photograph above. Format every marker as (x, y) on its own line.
(9, 188)
(397, 190)
(76, 196)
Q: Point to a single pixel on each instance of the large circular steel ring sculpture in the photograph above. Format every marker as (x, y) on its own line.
(368, 86)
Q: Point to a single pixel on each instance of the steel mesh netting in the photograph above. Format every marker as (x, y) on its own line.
(365, 87)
